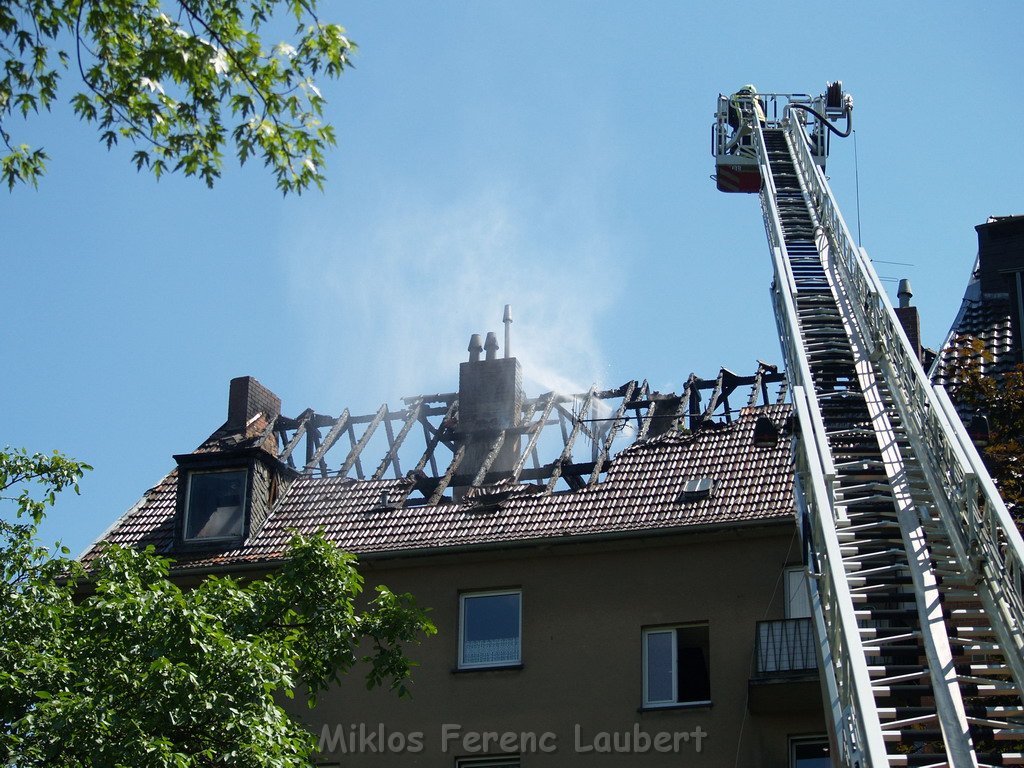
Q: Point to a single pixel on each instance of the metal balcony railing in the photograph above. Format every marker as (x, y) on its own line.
(784, 647)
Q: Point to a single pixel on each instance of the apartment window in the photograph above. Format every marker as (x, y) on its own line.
(809, 753)
(490, 629)
(215, 505)
(505, 761)
(676, 665)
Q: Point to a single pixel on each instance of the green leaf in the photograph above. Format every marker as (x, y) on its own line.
(181, 87)
(133, 670)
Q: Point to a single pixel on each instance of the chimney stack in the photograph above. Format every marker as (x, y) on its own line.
(246, 398)
(490, 402)
(909, 317)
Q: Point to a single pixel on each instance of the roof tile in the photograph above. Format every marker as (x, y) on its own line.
(641, 492)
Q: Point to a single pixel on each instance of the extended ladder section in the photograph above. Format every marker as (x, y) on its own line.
(915, 564)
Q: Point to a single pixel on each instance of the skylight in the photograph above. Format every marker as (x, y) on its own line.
(697, 488)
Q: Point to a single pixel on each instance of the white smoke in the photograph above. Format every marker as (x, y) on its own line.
(394, 308)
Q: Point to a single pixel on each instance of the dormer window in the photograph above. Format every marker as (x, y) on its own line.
(227, 488)
(215, 505)
(225, 497)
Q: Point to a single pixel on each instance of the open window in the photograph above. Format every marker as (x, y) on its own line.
(677, 669)
(798, 597)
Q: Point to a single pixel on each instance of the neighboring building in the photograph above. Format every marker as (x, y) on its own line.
(647, 598)
(992, 310)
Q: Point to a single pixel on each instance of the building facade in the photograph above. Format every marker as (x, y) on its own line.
(634, 597)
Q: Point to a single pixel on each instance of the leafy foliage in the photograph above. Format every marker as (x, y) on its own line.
(1002, 400)
(178, 79)
(119, 666)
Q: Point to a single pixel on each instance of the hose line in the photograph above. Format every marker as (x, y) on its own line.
(847, 113)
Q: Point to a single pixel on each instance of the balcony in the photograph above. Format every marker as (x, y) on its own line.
(785, 676)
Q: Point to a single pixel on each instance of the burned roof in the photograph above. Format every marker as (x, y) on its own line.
(484, 484)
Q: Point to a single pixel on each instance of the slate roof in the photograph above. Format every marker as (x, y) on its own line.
(989, 309)
(983, 316)
(641, 494)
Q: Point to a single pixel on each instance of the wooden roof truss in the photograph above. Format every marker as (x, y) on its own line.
(552, 425)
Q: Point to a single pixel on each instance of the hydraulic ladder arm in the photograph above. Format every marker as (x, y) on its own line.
(915, 564)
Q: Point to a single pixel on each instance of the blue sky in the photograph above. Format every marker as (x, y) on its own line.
(551, 155)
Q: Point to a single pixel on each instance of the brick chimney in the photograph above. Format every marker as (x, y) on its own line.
(246, 398)
(909, 317)
(490, 400)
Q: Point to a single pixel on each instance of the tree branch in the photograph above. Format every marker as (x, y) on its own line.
(144, 132)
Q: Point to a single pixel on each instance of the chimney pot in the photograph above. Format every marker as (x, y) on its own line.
(904, 293)
(475, 348)
(491, 345)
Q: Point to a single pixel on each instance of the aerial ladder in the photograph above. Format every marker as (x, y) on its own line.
(916, 570)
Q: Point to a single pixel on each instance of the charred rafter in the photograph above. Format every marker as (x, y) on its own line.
(551, 424)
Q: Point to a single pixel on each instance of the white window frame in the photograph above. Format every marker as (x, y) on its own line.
(188, 504)
(462, 629)
(672, 630)
(648, 702)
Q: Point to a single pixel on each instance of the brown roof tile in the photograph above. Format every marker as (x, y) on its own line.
(641, 492)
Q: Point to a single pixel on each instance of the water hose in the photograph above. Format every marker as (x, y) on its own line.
(847, 113)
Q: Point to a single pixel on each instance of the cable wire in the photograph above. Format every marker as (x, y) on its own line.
(856, 176)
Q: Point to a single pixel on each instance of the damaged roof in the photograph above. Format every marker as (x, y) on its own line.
(642, 492)
(636, 490)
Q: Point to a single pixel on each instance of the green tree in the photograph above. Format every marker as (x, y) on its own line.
(119, 666)
(1001, 400)
(178, 79)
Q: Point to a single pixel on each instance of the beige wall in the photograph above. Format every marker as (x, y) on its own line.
(583, 610)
